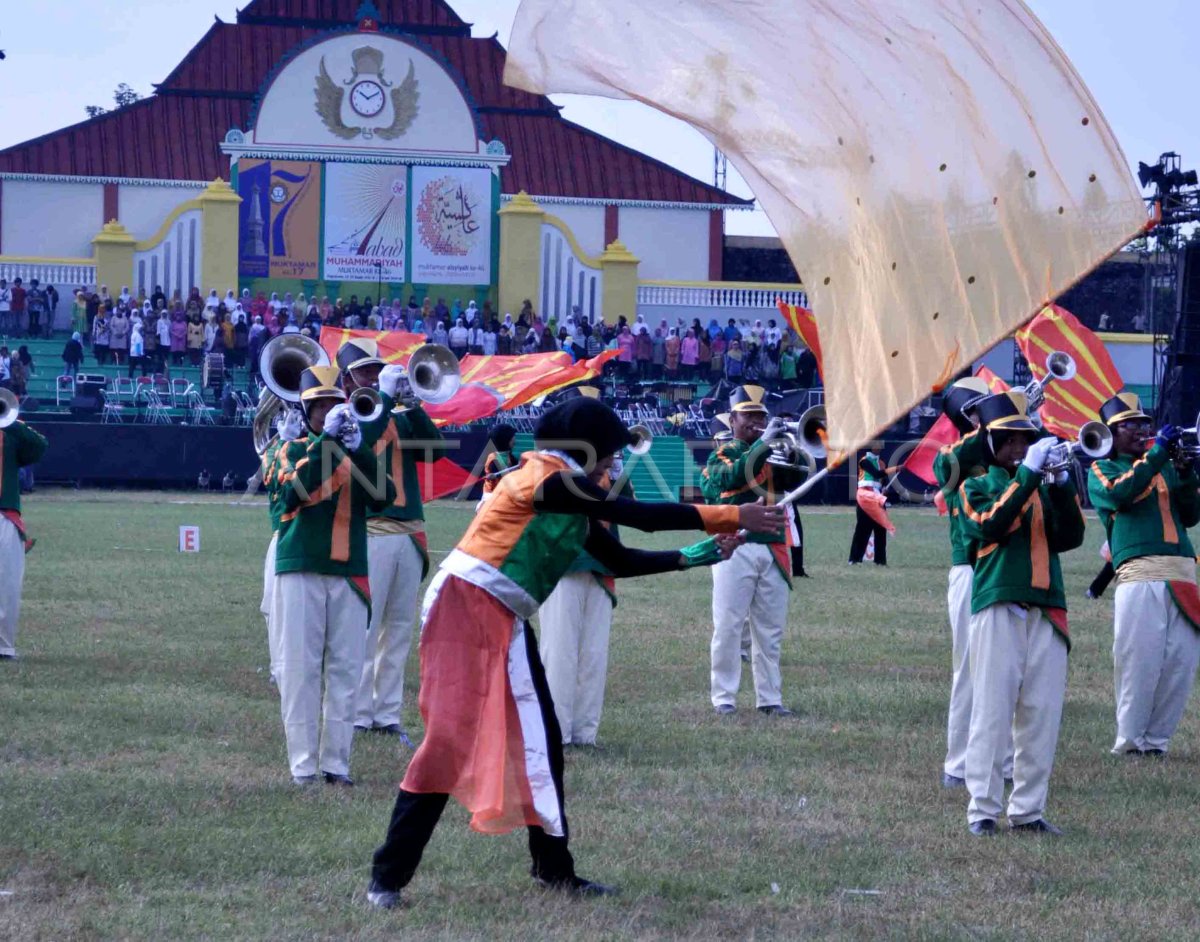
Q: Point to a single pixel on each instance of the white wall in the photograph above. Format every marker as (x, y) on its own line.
(672, 243)
(142, 209)
(586, 222)
(57, 220)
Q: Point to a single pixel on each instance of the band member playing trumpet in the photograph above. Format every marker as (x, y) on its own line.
(398, 553)
(20, 446)
(497, 462)
(1016, 525)
(755, 582)
(954, 464)
(327, 483)
(871, 516)
(492, 740)
(1146, 503)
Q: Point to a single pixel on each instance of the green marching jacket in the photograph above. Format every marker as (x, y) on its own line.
(952, 466)
(272, 464)
(19, 446)
(1146, 506)
(386, 437)
(738, 473)
(326, 493)
(1015, 527)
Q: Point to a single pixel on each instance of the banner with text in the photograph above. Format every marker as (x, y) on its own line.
(295, 198)
(452, 216)
(366, 222)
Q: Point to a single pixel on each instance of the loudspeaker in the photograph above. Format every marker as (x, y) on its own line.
(1179, 398)
(87, 403)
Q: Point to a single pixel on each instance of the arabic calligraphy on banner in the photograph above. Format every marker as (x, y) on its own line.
(366, 222)
(452, 219)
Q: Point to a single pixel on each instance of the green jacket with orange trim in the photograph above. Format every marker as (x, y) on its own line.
(326, 493)
(272, 461)
(19, 446)
(1145, 505)
(953, 465)
(1016, 526)
(738, 473)
(387, 437)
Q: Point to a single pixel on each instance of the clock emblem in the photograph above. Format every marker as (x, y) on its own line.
(367, 99)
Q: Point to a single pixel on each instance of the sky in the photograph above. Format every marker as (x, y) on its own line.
(1142, 69)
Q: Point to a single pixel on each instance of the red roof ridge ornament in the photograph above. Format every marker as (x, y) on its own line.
(368, 17)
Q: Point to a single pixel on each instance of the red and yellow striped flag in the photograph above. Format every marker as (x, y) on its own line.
(804, 322)
(490, 384)
(1070, 403)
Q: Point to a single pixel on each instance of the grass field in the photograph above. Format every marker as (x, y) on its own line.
(144, 791)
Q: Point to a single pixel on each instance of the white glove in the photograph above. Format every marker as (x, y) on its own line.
(390, 378)
(336, 419)
(351, 436)
(774, 429)
(291, 424)
(1039, 451)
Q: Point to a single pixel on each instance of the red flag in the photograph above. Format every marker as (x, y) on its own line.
(489, 383)
(803, 322)
(444, 477)
(1069, 403)
(943, 433)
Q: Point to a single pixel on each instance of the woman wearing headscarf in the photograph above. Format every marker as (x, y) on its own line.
(643, 348)
(442, 312)
(275, 304)
(490, 340)
(625, 351)
(299, 308)
(672, 350)
(195, 339)
(150, 342)
(124, 297)
(392, 315)
(427, 314)
(118, 343)
(137, 350)
(101, 335)
(658, 352)
(79, 313)
(716, 361)
(734, 358)
(212, 301)
(163, 329)
(714, 329)
(276, 322)
(439, 334)
(227, 328)
(72, 355)
(241, 336)
(492, 740)
(179, 334)
(458, 339)
(258, 337)
(504, 338)
(375, 319)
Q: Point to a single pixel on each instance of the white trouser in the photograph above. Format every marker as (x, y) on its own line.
(1019, 679)
(394, 563)
(1155, 652)
(748, 584)
(576, 620)
(268, 603)
(322, 619)
(12, 572)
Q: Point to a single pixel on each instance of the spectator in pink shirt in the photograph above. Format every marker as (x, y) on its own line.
(689, 353)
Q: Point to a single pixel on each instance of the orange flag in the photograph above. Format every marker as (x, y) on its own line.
(490, 384)
(943, 433)
(1070, 403)
(804, 322)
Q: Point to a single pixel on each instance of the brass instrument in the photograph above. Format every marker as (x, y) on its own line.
(642, 440)
(802, 443)
(282, 361)
(432, 375)
(1188, 446)
(1095, 441)
(1060, 366)
(366, 404)
(10, 408)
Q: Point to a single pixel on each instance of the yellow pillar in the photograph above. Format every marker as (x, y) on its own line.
(520, 253)
(113, 250)
(219, 238)
(620, 268)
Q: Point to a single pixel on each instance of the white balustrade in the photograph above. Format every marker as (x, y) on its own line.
(174, 263)
(65, 274)
(567, 280)
(716, 296)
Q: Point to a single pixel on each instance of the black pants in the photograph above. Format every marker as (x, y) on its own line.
(864, 526)
(798, 550)
(415, 816)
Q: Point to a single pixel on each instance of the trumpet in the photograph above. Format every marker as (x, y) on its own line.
(282, 361)
(1060, 366)
(1188, 446)
(10, 408)
(1095, 441)
(366, 404)
(642, 437)
(803, 441)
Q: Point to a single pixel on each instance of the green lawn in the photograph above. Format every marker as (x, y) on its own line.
(144, 791)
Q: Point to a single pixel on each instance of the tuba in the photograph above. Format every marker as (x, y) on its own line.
(10, 408)
(433, 374)
(282, 361)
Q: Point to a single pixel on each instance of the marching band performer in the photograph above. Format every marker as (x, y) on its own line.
(290, 427)
(1016, 526)
(492, 740)
(871, 516)
(754, 583)
(20, 446)
(322, 591)
(398, 553)
(502, 437)
(1146, 503)
(954, 464)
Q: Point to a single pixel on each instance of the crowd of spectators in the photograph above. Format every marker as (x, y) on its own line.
(27, 310)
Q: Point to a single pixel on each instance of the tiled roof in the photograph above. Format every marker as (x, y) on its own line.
(176, 133)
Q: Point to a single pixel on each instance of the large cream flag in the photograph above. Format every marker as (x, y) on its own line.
(936, 169)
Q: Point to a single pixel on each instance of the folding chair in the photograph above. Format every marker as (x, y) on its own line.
(202, 413)
(113, 410)
(180, 388)
(156, 410)
(64, 388)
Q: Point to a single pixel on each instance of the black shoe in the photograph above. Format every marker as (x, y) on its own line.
(380, 898)
(342, 781)
(9, 657)
(395, 729)
(1154, 752)
(577, 886)
(953, 781)
(776, 709)
(801, 574)
(362, 729)
(304, 780)
(985, 827)
(1040, 826)
(724, 709)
